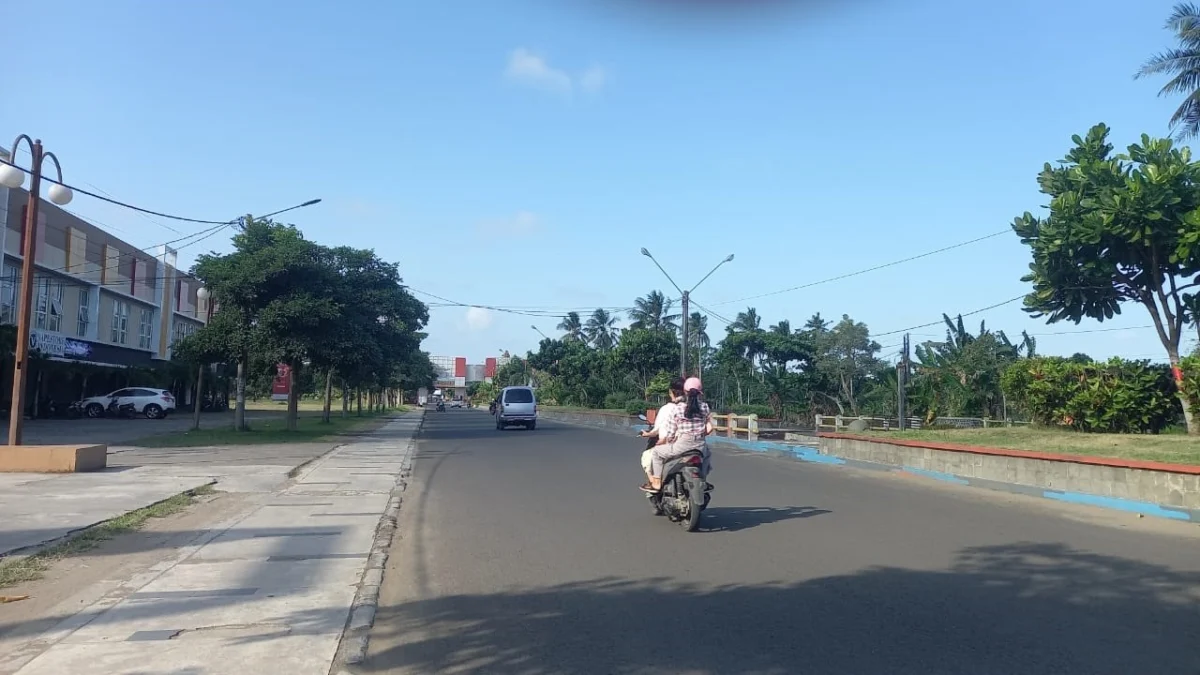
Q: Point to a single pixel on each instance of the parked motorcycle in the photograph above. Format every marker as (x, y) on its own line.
(74, 410)
(123, 411)
(685, 490)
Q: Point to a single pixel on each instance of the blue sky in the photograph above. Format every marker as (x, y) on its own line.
(519, 153)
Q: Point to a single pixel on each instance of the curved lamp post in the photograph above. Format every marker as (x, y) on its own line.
(684, 295)
(12, 176)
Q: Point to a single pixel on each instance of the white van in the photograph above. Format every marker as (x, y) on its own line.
(518, 405)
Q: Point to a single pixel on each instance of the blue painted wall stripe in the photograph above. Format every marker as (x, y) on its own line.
(1145, 508)
(936, 475)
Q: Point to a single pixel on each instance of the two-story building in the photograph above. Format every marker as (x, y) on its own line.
(97, 299)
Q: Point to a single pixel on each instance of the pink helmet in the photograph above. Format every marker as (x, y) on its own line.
(692, 384)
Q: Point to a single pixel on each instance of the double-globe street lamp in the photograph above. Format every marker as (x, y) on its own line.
(684, 295)
(12, 176)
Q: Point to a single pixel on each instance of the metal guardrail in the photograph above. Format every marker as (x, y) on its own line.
(840, 423)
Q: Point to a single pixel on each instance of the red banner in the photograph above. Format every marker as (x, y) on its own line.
(282, 383)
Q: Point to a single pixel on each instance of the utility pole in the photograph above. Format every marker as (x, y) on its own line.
(13, 177)
(902, 386)
(684, 296)
(683, 354)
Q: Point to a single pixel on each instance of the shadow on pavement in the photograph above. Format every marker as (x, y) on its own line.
(1021, 608)
(735, 518)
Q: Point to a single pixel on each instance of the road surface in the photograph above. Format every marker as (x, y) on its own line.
(534, 552)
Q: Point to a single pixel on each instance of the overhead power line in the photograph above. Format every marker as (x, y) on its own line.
(869, 269)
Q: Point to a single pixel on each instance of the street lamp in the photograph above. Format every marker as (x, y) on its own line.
(12, 176)
(539, 332)
(203, 295)
(683, 358)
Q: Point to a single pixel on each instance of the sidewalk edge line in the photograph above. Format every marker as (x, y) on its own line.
(356, 634)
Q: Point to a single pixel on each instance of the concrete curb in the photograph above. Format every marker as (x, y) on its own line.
(917, 467)
(352, 647)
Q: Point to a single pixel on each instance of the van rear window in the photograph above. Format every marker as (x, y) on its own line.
(518, 396)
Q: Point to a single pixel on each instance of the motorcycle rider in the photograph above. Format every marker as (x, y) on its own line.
(685, 431)
(675, 398)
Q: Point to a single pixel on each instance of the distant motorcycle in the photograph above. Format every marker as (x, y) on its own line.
(74, 410)
(492, 408)
(441, 407)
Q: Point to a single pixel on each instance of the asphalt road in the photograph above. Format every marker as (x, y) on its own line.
(534, 552)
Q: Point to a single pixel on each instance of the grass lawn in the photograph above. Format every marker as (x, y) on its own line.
(263, 431)
(305, 404)
(569, 408)
(1173, 448)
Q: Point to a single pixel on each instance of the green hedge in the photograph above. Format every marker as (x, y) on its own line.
(636, 406)
(1117, 396)
(763, 411)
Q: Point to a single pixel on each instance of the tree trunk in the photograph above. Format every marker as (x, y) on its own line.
(239, 410)
(359, 396)
(325, 412)
(293, 405)
(345, 399)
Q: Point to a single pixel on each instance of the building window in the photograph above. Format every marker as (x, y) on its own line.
(146, 329)
(48, 310)
(85, 312)
(8, 295)
(120, 321)
(182, 330)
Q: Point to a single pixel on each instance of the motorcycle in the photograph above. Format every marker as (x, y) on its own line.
(74, 410)
(123, 410)
(685, 490)
(441, 407)
(492, 408)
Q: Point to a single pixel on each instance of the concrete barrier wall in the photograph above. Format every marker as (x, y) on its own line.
(1150, 488)
(1160, 484)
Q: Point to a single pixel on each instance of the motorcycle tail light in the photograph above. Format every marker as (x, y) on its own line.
(695, 461)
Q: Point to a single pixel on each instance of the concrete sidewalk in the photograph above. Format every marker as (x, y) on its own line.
(269, 591)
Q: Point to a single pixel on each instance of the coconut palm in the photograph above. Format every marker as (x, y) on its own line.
(782, 328)
(746, 322)
(601, 329)
(572, 327)
(654, 312)
(1183, 64)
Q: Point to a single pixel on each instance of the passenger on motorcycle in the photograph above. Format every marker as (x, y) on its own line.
(684, 432)
(675, 393)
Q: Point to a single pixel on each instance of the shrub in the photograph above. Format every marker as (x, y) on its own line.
(615, 401)
(1117, 396)
(636, 406)
(753, 409)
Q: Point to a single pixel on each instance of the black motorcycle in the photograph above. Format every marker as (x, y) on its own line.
(122, 410)
(74, 410)
(492, 408)
(685, 490)
(441, 406)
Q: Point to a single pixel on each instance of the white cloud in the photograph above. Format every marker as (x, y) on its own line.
(520, 224)
(478, 318)
(527, 68)
(593, 79)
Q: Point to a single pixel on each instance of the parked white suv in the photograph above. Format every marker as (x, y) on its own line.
(153, 403)
(518, 405)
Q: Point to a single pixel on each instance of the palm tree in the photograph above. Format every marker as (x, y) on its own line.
(746, 322)
(1183, 63)
(782, 328)
(601, 329)
(654, 312)
(572, 327)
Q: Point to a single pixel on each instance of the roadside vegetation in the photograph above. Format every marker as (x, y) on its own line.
(1177, 448)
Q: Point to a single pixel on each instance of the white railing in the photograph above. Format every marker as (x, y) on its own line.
(840, 423)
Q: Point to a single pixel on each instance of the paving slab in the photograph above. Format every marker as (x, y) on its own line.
(270, 591)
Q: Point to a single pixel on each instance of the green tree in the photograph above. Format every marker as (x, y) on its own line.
(1183, 65)
(644, 353)
(653, 312)
(571, 326)
(1121, 228)
(601, 329)
(847, 356)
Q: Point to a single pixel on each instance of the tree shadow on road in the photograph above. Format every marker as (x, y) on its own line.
(1021, 608)
(736, 518)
